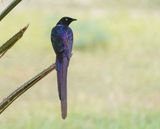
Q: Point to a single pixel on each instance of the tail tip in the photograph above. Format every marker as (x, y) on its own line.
(63, 109)
(64, 116)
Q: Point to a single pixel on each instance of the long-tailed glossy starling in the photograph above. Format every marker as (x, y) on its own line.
(62, 41)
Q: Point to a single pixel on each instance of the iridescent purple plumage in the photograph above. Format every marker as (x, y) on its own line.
(62, 41)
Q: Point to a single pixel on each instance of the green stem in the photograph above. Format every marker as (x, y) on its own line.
(6, 46)
(13, 4)
(23, 88)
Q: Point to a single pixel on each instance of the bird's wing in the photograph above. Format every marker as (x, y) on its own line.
(69, 41)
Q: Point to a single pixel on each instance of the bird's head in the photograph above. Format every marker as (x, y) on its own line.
(66, 21)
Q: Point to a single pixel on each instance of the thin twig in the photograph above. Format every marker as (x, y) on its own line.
(13, 4)
(6, 46)
(23, 88)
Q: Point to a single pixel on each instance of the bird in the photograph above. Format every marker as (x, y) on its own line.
(62, 42)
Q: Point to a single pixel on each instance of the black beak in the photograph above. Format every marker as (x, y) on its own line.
(74, 19)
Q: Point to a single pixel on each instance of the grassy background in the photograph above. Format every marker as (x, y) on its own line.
(114, 74)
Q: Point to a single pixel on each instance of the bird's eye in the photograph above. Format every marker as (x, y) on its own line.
(66, 19)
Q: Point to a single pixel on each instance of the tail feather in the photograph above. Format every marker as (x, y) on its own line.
(62, 66)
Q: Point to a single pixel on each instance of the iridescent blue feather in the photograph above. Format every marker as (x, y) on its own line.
(62, 41)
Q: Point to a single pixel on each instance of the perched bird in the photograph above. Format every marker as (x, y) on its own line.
(62, 41)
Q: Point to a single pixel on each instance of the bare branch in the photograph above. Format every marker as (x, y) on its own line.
(13, 4)
(6, 46)
(23, 88)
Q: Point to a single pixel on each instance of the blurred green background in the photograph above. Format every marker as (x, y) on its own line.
(114, 73)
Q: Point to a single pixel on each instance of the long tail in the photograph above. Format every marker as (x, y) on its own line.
(62, 66)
